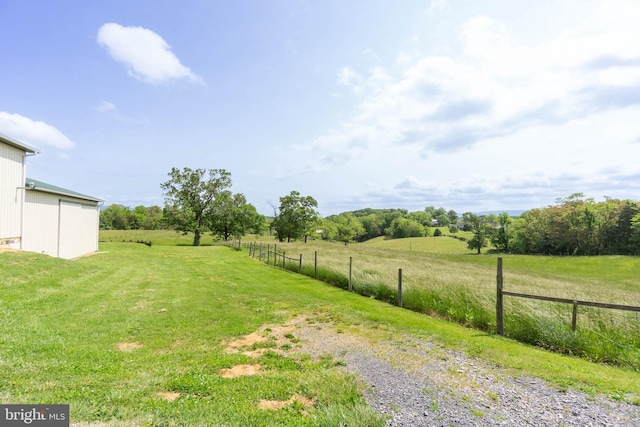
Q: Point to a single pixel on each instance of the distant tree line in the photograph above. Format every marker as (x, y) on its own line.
(199, 201)
(365, 224)
(120, 217)
(576, 225)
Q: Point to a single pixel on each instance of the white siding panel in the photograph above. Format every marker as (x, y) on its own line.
(78, 232)
(41, 223)
(61, 227)
(11, 177)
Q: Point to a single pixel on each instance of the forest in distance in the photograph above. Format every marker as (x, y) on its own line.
(575, 225)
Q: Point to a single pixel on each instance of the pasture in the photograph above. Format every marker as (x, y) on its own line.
(443, 278)
(138, 335)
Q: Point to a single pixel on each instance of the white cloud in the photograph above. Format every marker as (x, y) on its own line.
(497, 86)
(437, 6)
(147, 55)
(105, 107)
(348, 77)
(32, 132)
(111, 110)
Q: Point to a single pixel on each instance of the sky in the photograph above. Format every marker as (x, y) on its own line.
(467, 105)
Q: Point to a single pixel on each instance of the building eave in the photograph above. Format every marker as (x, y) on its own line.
(17, 144)
(34, 185)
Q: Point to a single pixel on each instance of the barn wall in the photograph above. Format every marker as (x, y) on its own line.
(11, 177)
(60, 226)
(79, 224)
(41, 223)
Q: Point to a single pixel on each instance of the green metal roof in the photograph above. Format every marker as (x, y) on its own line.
(17, 144)
(33, 184)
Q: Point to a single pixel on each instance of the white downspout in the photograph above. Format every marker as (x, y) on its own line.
(23, 181)
(23, 196)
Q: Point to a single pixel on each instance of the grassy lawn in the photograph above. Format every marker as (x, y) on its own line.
(442, 277)
(113, 333)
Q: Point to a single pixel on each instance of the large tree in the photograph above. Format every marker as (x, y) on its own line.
(344, 228)
(296, 217)
(115, 217)
(481, 227)
(503, 234)
(189, 197)
(232, 216)
(405, 227)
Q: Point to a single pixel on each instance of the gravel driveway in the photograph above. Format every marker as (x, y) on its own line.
(417, 383)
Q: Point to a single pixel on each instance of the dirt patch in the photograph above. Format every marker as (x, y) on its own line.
(274, 405)
(129, 346)
(277, 338)
(239, 370)
(139, 306)
(168, 395)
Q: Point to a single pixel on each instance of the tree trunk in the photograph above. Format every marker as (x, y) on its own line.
(196, 238)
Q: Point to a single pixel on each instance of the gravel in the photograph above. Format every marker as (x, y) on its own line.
(414, 382)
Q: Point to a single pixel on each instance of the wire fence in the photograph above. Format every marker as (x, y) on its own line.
(462, 310)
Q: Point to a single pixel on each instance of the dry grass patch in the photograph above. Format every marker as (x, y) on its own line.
(274, 405)
(169, 396)
(129, 346)
(277, 338)
(240, 370)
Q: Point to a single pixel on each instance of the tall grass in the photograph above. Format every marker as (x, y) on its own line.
(462, 288)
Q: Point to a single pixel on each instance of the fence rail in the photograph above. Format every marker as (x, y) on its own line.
(575, 303)
(279, 259)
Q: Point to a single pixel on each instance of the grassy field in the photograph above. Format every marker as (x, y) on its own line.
(114, 334)
(442, 277)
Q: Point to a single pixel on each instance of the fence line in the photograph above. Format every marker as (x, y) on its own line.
(575, 303)
(500, 292)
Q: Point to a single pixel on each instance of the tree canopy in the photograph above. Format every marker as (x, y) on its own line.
(232, 216)
(296, 218)
(120, 217)
(189, 198)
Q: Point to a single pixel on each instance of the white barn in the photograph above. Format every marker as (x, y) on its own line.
(39, 217)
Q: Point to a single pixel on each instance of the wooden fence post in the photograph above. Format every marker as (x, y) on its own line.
(574, 317)
(399, 287)
(350, 269)
(275, 254)
(300, 265)
(283, 258)
(315, 265)
(268, 253)
(499, 305)
(260, 251)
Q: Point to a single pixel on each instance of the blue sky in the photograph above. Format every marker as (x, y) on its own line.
(472, 106)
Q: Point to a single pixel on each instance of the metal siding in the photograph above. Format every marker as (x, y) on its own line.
(66, 228)
(41, 223)
(78, 231)
(11, 177)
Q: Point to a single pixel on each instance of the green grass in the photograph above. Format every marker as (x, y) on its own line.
(62, 322)
(443, 278)
(462, 286)
(432, 245)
